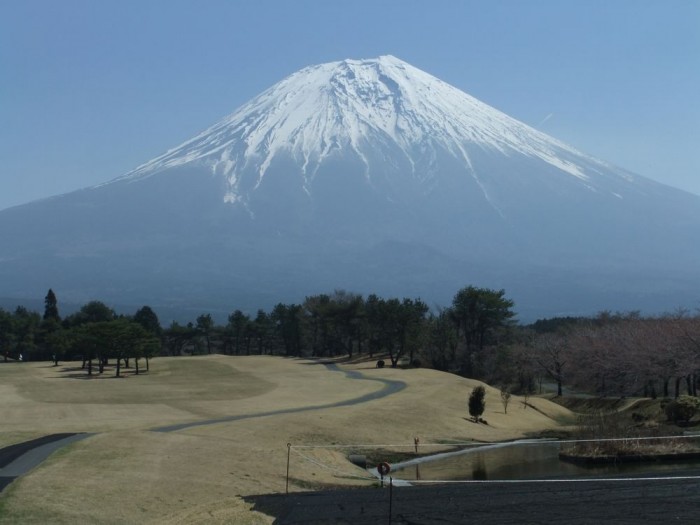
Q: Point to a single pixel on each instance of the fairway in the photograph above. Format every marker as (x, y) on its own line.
(199, 473)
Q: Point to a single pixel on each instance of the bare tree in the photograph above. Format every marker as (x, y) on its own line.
(552, 356)
(505, 397)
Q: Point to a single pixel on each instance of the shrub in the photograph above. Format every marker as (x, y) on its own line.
(477, 403)
(639, 418)
(682, 409)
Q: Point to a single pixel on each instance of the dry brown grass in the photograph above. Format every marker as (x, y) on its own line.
(127, 473)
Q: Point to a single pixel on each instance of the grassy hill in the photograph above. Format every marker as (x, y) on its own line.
(127, 472)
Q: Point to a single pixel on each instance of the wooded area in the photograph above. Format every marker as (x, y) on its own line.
(476, 336)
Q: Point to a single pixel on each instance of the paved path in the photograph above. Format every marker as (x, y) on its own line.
(581, 502)
(390, 387)
(20, 458)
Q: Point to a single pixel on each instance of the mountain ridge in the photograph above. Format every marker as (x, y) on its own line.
(322, 107)
(370, 175)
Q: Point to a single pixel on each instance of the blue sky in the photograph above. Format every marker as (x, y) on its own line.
(89, 89)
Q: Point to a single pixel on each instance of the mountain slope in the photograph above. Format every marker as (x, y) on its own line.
(369, 175)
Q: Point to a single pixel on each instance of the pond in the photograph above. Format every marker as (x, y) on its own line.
(523, 460)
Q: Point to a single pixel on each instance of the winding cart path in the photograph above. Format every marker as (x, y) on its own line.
(389, 387)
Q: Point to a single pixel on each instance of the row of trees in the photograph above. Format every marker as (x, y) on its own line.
(476, 336)
(343, 323)
(616, 354)
(324, 325)
(95, 334)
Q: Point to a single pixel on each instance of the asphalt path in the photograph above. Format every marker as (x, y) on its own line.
(628, 501)
(20, 458)
(390, 387)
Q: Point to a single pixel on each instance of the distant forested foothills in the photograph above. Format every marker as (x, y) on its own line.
(476, 336)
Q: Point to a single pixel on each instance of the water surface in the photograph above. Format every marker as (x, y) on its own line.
(525, 460)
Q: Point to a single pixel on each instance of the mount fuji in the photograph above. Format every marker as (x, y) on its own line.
(371, 176)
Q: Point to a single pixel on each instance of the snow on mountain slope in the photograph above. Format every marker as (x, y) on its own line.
(375, 177)
(362, 106)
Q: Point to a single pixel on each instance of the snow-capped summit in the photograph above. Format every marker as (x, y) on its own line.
(366, 108)
(372, 176)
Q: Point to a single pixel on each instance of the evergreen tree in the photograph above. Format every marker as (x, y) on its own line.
(147, 318)
(477, 402)
(479, 313)
(7, 334)
(261, 329)
(205, 327)
(92, 312)
(26, 327)
(236, 330)
(51, 307)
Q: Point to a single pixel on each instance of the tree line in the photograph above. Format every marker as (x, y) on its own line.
(95, 335)
(342, 323)
(616, 354)
(406, 331)
(475, 336)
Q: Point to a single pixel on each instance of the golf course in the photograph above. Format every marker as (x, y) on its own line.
(187, 441)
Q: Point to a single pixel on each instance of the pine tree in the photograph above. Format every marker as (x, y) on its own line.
(146, 317)
(51, 307)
